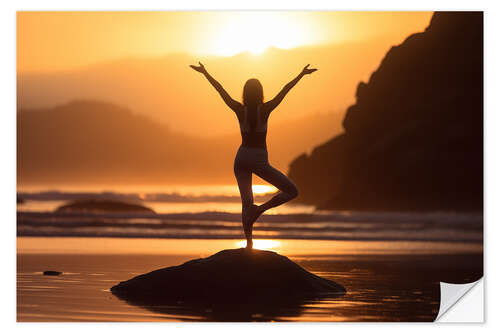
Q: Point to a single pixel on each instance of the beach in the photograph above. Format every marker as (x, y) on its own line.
(385, 280)
(391, 263)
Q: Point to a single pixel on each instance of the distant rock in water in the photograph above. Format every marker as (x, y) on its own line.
(54, 273)
(103, 206)
(414, 138)
(234, 276)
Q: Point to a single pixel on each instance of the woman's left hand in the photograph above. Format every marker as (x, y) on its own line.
(307, 70)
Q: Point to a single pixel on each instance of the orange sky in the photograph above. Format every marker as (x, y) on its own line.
(48, 41)
(139, 61)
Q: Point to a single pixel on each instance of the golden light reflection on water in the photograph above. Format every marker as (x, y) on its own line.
(261, 244)
(207, 247)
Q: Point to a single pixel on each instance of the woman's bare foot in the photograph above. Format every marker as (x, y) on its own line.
(246, 219)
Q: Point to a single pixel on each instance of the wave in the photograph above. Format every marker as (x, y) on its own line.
(454, 218)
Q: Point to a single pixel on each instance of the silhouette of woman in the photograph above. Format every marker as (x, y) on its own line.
(252, 155)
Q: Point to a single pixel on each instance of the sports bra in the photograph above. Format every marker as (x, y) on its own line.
(253, 128)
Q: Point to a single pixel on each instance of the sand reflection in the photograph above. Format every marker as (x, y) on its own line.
(261, 244)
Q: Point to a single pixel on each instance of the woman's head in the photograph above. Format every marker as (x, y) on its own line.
(253, 94)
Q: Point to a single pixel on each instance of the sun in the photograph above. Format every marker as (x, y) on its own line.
(256, 31)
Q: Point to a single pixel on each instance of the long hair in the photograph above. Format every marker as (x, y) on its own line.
(253, 94)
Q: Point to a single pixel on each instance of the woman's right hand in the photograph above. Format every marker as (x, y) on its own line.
(199, 68)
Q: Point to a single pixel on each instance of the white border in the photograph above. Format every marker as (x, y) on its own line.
(8, 139)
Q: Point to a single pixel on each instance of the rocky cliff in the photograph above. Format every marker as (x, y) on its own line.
(414, 138)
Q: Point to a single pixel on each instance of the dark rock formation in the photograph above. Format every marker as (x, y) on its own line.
(103, 206)
(52, 273)
(414, 138)
(229, 279)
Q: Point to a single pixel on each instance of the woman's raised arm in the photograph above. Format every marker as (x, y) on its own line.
(234, 105)
(272, 104)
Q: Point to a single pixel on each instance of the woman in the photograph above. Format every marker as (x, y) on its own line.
(252, 155)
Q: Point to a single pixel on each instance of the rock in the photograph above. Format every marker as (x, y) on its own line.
(52, 273)
(103, 206)
(229, 277)
(414, 138)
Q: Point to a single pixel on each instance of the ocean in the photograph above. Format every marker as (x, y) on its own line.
(214, 212)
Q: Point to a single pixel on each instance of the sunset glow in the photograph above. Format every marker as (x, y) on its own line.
(50, 41)
(257, 31)
(137, 63)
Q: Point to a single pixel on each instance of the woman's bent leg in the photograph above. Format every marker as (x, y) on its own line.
(288, 190)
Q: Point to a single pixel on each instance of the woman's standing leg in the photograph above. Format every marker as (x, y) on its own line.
(244, 178)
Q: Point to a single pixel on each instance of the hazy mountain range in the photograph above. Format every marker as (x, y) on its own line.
(90, 142)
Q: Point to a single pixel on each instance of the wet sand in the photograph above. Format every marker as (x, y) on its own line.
(382, 285)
